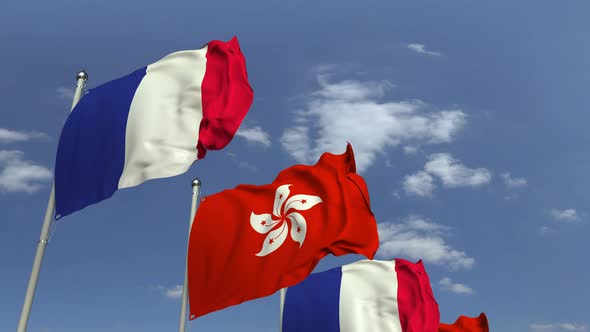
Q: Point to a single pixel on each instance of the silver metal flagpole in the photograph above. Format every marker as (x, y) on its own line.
(196, 190)
(282, 306)
(26, 311)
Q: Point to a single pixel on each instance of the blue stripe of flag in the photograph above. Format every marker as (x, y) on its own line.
(91, 150)
(314, 304)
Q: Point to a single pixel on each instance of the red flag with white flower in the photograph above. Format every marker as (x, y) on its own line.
(250, 241)
(467, 324)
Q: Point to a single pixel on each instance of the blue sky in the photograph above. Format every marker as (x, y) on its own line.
(468, 119)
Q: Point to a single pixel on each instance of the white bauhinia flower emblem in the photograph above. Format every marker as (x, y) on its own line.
(283, 209)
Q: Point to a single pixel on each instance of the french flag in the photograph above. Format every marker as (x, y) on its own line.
(152, 123)
(368, 295)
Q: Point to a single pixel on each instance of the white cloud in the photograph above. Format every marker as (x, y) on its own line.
(351, 111)
(171, 293)
(513, 183)
(350, 90)
(448, 285)
(240, 162)
(449, 170)
(19, 175)
(295, 141)
(545, 229)
(417, 238)
(565, 215)
(255, 135)
(65, 93)
(454, 174)
(408, 149)
(557, 327)
(419, 184)
(420, 48)
(10, 136)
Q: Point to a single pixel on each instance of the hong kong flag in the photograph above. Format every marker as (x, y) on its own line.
(467, 324)
(250, 241)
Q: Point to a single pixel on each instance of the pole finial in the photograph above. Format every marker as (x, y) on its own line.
(196, 182)
(82, 75)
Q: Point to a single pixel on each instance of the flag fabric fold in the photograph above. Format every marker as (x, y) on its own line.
(384, 296)
(467, 324)
(152, 123)
(250, 241)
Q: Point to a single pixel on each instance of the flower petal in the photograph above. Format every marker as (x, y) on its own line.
(298, 227)
(280, 196)
(262, 223)
(301, 202)
(274, 240)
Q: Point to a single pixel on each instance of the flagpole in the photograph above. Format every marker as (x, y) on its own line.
(282, 306)
(81, 78)
(196, 190)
